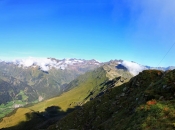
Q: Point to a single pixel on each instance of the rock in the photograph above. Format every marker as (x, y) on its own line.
(122, 95)
(171, 98)
(164, 86)
(118, 102)
(151, 84)
(127, 92)
(161, 97)
(138, 84)
(145, 95)
(114, 103)
(124, 89)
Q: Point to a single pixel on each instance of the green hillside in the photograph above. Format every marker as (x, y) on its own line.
(146, 102)
(86, 87)
(47, 84)
(21, 86)
(15, 94)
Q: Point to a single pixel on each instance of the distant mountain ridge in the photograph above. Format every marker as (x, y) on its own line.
(33, 80)
(76, 84)
(135, 68)
(46, 64)
(49, 76)
(85, 87)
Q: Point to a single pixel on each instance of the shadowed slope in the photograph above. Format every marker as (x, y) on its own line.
(145, 102)
(86, 87)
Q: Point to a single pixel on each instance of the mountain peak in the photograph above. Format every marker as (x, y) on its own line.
(46, 64)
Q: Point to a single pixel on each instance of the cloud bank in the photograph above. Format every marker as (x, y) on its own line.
(45, 64)
(133, 67)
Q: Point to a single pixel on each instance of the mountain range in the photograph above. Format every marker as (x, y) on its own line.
(146, 102)
(57, 84)
(33, 80)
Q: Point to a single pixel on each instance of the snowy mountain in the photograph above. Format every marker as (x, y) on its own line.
(48, 76)
(35, 79)
(46, 64)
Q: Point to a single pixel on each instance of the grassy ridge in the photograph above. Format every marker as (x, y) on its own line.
(85, 83)
(30, 84)
(147, 102)
(77, 92)
(47, 84)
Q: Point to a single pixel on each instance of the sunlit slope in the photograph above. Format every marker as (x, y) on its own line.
(22, 85)
(48, 83)
(79, 91)
(86, 83)
(146, 102)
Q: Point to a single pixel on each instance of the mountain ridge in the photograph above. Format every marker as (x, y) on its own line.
(43, 84)
(86, 87)
(46, 64)
(146, 102)
(58, 81)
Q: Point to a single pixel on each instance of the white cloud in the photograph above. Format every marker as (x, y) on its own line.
(41, 62)
(45, 64)
(147, 18)
(28, 62)
(133, 67)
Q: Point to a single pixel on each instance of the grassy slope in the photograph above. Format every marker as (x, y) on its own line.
(46, 85)
(14, 93)
(147, 102)
(86, 83)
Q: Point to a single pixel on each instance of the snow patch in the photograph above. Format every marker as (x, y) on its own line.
(45, 64)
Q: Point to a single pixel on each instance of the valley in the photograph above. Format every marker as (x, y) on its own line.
(22, 85)
(97, 85)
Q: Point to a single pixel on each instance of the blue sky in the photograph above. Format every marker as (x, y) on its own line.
(134, 30)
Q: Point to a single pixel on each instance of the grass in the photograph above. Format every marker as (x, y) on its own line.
(67, 100)
(79, 91)
(9, 106)
(145, 105)
(24, 97)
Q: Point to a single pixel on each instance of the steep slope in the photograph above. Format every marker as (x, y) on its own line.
(37, 80)
(15, 93)
(145, 102)
(47, 76)
(86, 87)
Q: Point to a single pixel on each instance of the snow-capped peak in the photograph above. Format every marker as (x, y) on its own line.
(46, 64)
